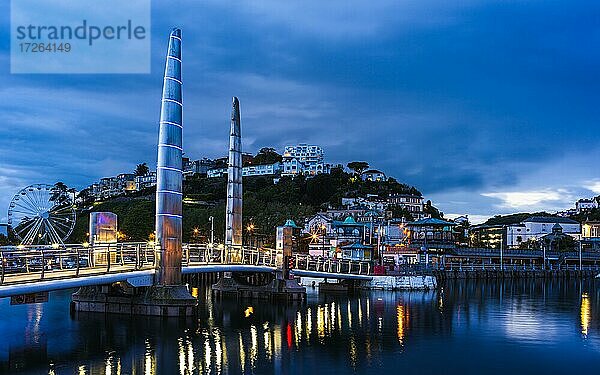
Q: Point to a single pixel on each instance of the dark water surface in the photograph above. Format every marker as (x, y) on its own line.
(523, 327)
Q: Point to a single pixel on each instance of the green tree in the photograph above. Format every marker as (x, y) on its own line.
(267, 155)
(141, 169)
(358, 166)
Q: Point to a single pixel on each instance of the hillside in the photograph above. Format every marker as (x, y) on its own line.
(266, 204)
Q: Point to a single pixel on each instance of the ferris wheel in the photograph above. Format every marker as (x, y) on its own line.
(41, 214)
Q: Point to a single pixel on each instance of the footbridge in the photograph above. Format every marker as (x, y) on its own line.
(33, 269)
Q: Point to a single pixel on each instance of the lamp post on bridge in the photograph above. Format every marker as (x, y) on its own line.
(212, 230)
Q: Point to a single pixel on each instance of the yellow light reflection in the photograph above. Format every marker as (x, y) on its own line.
(249, 311)
(207, 354)
(353, 353)
(321, 322)
(298, 329)
(254, 346)
(242, 353)
(194, 292)
(349, 316)
(308, 324)
(267, 340)
(149, 360)
(217, 340)
(585, 314)
(400, 316)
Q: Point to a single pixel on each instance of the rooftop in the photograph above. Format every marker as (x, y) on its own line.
(550, 219)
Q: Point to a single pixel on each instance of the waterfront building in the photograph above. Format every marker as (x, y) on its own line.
(304, 159)
(531, 229)
(590, 229)
(486, 236)
(356, 251)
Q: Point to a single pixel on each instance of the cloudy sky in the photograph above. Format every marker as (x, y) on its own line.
(486, 106)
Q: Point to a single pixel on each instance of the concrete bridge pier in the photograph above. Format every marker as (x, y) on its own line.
(165, 296)
(280, 287)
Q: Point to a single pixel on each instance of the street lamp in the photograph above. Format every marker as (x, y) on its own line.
(212, 230)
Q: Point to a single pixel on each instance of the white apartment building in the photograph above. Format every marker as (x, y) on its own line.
(412, 203)
(250, 170)
(146, 181)
(304, 159)
(585, 205)
(538, 226)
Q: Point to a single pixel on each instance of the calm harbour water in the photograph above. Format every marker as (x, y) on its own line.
(524, 327)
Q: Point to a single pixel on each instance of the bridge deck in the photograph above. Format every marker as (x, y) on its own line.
(78, 266)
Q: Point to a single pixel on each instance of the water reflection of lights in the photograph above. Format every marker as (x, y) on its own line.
(207, 354)
(249, 311)
(112, 363)
(360, 313)
(349, 312)
(149, 359)
(186, 356)
(308, 324)
(353, 353)
(267, 340)
(400, 316)
(254, 346)
(585, 314)
(321, 323)
(298, 329)
(242, 353)
(220, 350)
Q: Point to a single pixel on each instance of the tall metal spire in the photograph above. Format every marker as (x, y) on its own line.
(233, 224)
(169, 170)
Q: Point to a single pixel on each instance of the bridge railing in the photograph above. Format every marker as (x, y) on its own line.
(22, 264)
(331, 265)
(516, 267)
(206, 254)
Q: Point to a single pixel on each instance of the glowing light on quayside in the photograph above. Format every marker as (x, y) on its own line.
(585, 314)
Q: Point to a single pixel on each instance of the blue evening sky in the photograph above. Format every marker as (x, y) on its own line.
(486, 106)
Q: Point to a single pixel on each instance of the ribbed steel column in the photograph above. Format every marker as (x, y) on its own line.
(168, 170)
(233, 222)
